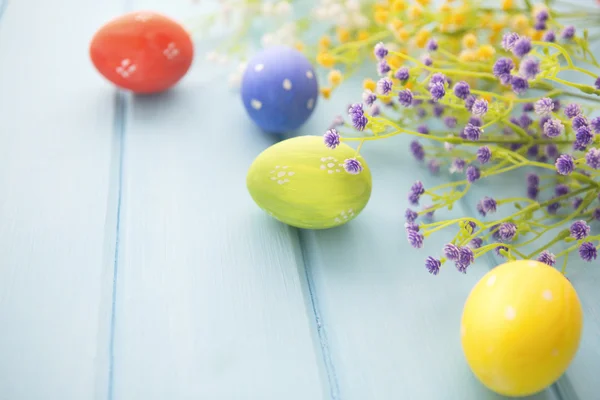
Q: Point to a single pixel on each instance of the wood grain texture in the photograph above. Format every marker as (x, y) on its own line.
(210, 289)
(56, 219)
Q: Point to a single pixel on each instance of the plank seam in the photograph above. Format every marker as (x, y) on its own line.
(332, 379)
(119, 130)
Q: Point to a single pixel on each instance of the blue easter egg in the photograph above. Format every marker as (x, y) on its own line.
(279, 89)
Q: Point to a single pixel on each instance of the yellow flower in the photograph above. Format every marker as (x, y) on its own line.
(422, 37)
(335, 77)
(394, 61)
(381, 16)
(326, 92)
(445, 8)
(507, 4)
(469, 41)
(402, 34)
(343, 35)
(369, 84)
(324, 42)
(362, 35)
(537, 35)
(467, 56)
(424, 3)
(485, 52)
(396, 24)
(497, 26)
(458, 19)
(398, 5)
(325, 59)
(414, 12)
(299, 46)
(520, 23)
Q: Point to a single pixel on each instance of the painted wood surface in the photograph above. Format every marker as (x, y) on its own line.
(57, 214)
(133, 263)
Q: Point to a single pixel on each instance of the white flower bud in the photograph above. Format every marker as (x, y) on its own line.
(282, 8)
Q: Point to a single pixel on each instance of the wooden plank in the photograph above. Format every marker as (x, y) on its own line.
(393, 329)
(56, 202)
(210, 289)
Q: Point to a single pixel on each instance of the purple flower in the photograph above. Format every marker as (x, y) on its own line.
(525, 121)
(416, 191)
(579, 121)
(528, 107)
(572, 110)
(402, 74)
(475, 121)
(469, 101)
(595, 123)
(565, 164)
(544, 106)
(540, 26)
(519, 84)
(380, 51)
(592, 158)
(489, 204)
(432, 45)
(579, 146)
(529, 68)
(532, 192)
(533, 179)
(422, 129)
(509, 40)
(561, 190)
(533, 151)
(352, 166)
(437, 91)
(337, 121)
(553, 128)
(568, 32)
(358, 117)
(584, 136)
(500, 249)
(410, 215)
(479, 208)
(384, 86)
(451, 252)
(597, 83)
(553, 207)
(476, 243)
(438, 78)
(462, 90)
(411, 226)
(503, 66)
(421, 113)
(587, 251)
(473, 173)
(433, 265)
(405, 97)
(369, 97)
(465, 257)
(549, 36)
(438, 110)
(552, 151)
(577, 202)
(426, 59)
(458, 165)
(383, 67)
(375, 110)
(522, 47)
(547, 258)
(417, 150)
(434, 166)
(579, 230)
(507, 231)
(450, 122)
(414, 238)
(472, 132)
(331, 138)
(596, 214)
(542, 15)
(480, 107)
(484, 154)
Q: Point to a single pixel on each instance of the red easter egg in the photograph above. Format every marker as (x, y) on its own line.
(142, 51)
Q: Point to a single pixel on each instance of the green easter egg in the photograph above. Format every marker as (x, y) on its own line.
(302, 183)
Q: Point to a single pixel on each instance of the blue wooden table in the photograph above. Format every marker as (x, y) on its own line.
(134, 264)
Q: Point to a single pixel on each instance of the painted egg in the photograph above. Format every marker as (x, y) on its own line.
(303, 183)
(143, 52)
(521, 327)
(279, 89)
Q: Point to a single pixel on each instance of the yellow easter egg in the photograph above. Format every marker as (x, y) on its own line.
(521, 327)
